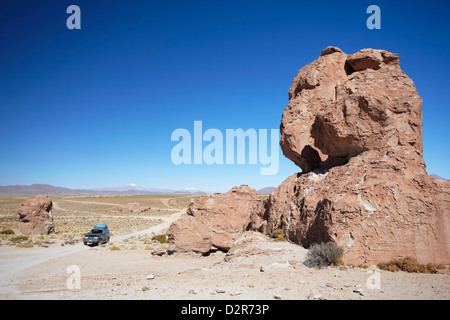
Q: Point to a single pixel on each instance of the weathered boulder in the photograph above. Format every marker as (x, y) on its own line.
(35, 216)
(214, 221)
(354, 126)
(343, 104)
(188, 234)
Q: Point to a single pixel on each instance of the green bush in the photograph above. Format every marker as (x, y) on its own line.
(19, 238)
(161, 238)
(6, 231)
(277, 232)
(323, 254)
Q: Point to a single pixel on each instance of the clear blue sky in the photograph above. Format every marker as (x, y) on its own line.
(96, 107)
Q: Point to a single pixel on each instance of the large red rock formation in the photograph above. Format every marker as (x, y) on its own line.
(354, 126)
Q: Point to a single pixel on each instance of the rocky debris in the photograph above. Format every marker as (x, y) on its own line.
(354, 126)
(35, 216)
(130, 207)
(215, 221)
(158, 252)
(315, 295)
(358, 289)
(249, 243)
(265, 254)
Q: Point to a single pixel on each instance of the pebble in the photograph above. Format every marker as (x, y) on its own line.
(314, 295)
(220, 290)
(151, 276)
(277, 297)
(358, 290)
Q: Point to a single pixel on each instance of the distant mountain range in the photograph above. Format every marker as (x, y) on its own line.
(266, 190)
(36, 189)
(131, 189)
(438, 177)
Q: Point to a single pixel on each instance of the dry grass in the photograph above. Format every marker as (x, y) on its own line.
(409, 264)
(323, 254)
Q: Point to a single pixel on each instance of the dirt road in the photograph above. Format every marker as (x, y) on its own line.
(14, 260)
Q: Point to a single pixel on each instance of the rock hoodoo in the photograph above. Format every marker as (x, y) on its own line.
(35, 216)
(354, 127)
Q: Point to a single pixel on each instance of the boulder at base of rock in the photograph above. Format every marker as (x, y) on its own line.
(214, 221)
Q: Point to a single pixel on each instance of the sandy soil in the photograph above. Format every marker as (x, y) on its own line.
(136, 274)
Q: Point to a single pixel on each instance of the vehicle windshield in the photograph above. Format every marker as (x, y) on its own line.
(96, 231)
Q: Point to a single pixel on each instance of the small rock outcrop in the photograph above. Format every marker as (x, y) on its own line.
(35, 216)
(214, 221)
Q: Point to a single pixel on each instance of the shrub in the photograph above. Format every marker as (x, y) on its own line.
(19, 238)
(6, 231)
(339, 262)
(161, 238)
(323, 255)
(409, 264)
(114, 247)
(28, 244)
(277, 232)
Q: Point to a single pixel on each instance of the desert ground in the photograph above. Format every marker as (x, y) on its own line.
(42, 267)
